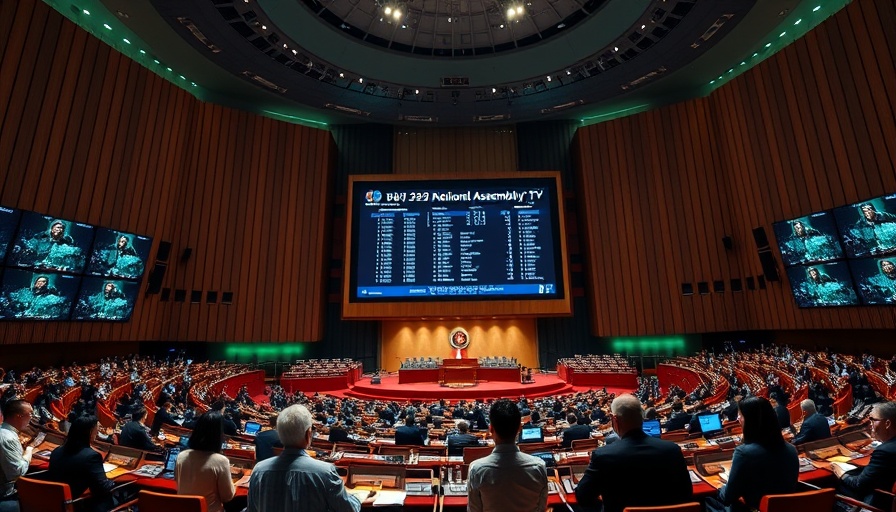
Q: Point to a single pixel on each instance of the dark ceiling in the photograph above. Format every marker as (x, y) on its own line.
(448, 62)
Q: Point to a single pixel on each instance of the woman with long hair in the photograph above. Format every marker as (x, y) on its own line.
(201, 469)
(764, 464)
(81, 467)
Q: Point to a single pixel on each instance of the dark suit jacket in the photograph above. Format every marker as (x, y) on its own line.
(161, 419)
(783, 415)
(757, 471)
(408, 435)
(337, 435)
(576, 432)
(457, 443)
(134, 435)
(880, 473)
(265, 443)
(678, 421)
(82, 470)
(619, 472)
(814, 427)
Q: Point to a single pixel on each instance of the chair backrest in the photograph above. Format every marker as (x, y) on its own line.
(585, 445)
(351, 448)
(472, 453)
(41, 496)
(683, 507)
(148, 501)
(810, 501)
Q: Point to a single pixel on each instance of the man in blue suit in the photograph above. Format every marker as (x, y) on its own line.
(814, 427)
(409, 434)
(880, 473)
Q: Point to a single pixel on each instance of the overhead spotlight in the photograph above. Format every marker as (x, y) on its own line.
(416, 91)
(568, 72)
(341, 75)
(549, 78)
(387, 9)
(361, 80)
(519, 9)
(511, 12)
(494, 90)
(396, 14)
(615, 48)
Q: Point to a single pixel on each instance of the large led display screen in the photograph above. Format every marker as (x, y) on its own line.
(822, 284)
(875, 279)
(9, 222)
(48, 243)
(810, 239)
(119, 254)
(105, 299)
(455, 239)
(868, 228)
(28, 295)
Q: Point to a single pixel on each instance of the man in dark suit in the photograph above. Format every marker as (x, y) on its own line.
(266, 441)
(694, 426)
(409, 434)
(880, 473)
(576, 430)
(460, 440)
(162, 418)
(781, 412)
(618, 472)
(814, 427)
(134, 435)
(679, 419)
(338, 433)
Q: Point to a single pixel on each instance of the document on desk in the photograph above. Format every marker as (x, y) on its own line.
(386, 498)
(843, 466)
(243, 481)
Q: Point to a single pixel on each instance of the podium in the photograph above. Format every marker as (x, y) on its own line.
(459, 372)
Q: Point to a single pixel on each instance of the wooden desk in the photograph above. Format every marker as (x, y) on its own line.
(459, 371)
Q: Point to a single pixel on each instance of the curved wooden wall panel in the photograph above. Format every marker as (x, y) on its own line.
(809, 129)
(89, 135)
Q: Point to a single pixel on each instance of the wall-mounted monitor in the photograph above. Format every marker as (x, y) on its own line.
(50, 243)
(822, 284)
(9, 223)
(119, 254)
(809, 239)
(868, 228)
(29, 295)
(875, 279)
(442, 246)
(105, 299)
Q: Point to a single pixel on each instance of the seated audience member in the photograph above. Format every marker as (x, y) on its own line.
(507, 479)
(814, 427)
(578, 429)
(763, 464)
(266, 441)
(81, 467)
(293, 480)
(729, 413)
(201, 469)
(619, 472)
(699, 410)
(880, 473)
(133, 433)
(460, 440)
(14, 461)
(679, 419)
(162, 418)
(410, 434)
(338, 433)
(781, 412)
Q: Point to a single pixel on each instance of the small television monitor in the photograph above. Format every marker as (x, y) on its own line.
(49, 243)
(652, 428)
(868, 228)
(875, 279)
(252, 428)
(105, 299)
(809, 239)
(171, 459)
(28, 295)
(531, 435)
(822, 284)
(710, 424)
(119, 254)
(9, 223)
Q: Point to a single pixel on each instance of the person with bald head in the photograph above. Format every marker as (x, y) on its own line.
(637, 470)
(815, 426)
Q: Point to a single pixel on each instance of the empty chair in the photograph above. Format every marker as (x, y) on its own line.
(684, 507)
(821, 500)
(585, 445)
(472, 453)
(148, 501)
(40, 496)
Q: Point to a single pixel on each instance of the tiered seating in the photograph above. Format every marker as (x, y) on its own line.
(598, 370)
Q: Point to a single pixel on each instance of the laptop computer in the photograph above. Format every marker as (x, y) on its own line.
(652, 428)
(710, 425)
(531, 435)
(170, 462)
(252, 428)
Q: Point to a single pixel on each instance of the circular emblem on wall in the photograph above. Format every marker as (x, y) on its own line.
(459, 338)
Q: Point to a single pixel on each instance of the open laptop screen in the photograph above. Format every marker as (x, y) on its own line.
(710, 423)
(252, 428)
(652, 428)
(531, 435)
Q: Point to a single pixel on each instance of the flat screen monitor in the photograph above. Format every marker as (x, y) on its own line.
(810, 239)
(252, 428)
(710, 423)
(875, 279)
(822, 284)
(437, 241)
(49, 243)
(105, 299)
(9, 223)
(119, 254)
(868, 228)
(531, 435)
(171, 459)
(652, 428)
(29, 295)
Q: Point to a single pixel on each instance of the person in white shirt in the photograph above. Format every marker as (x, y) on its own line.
(13, 461)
